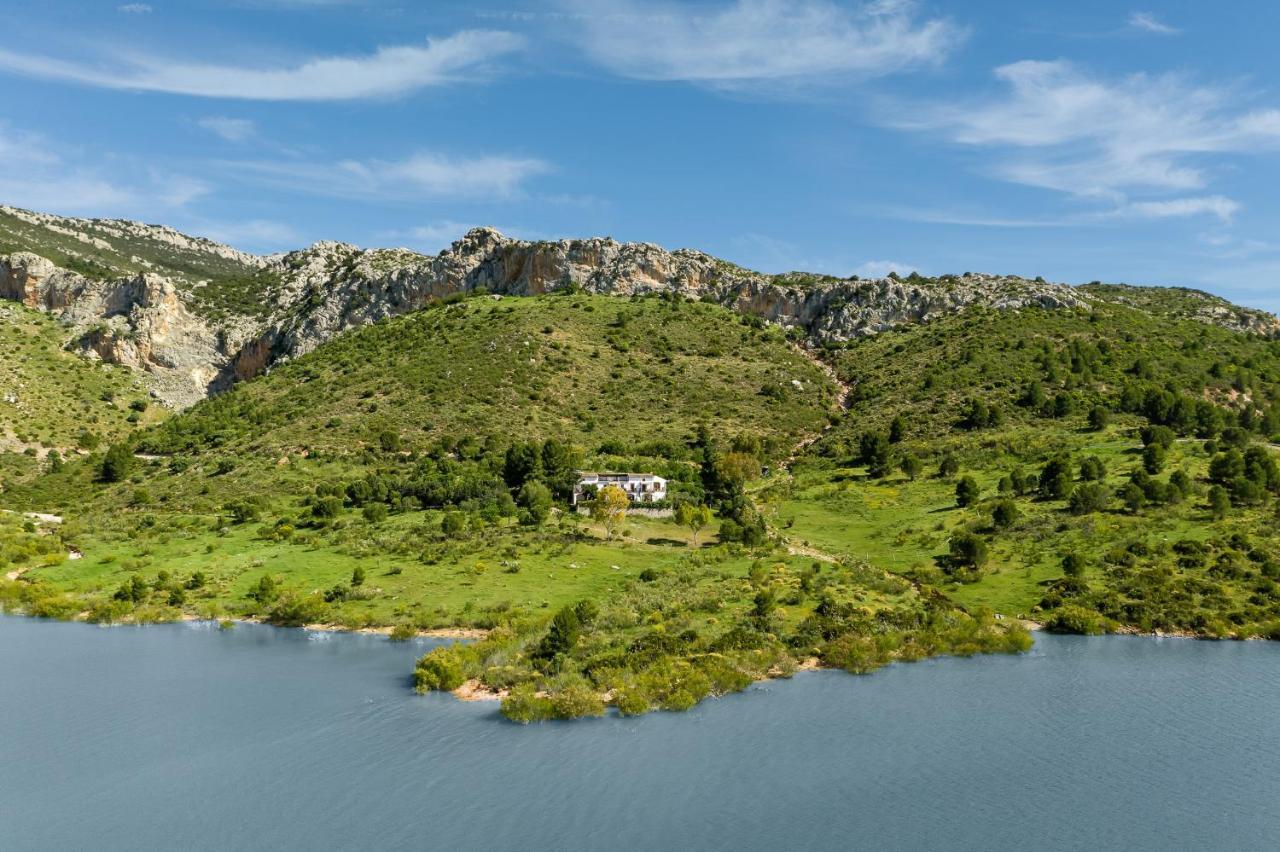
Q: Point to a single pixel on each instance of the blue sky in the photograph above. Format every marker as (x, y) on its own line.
(1075, 141)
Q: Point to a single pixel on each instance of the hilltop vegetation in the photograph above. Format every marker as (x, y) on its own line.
(1096, 470)
(588, 369)
(1033, 365)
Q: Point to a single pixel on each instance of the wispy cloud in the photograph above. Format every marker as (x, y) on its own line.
(230, 129)
(440, 234)
(977, 219)
(134, 9)
(881, 268)
(37, 173)
(1059, 128)
(424, 175)
(1147, 22)
(252, 235)
(755, 41)
(1215, 205)
(1227, 246)
(387, 72)
(435, 236)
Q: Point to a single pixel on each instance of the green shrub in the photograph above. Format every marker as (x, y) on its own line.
(523, 705)
(634, 701)
(298, 611)
(440, 669)
(575, 701)
(1076, 619)
(403, 633)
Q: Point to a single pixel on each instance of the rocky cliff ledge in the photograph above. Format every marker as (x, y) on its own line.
(141, 321)
(357, 286)
(157, 317)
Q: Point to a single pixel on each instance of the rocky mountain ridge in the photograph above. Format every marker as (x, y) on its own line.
(197, 315)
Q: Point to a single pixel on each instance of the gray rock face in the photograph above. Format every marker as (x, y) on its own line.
(150, 322)
(140, 322)
(375, 284)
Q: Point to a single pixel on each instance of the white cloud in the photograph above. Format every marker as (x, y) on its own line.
(1148, 22)
(1225, 245)
(230, 129)
(975, 219)
(760, 40)
(134, 9)
(389, 71)
(438, 235)
(177, 190)
(18, 147)
(881, 268)
(1216, 205)
(423, 175)
(256, 234)
(35, 174)
(1059, 128)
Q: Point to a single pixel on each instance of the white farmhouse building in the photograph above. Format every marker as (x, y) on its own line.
(639, 487)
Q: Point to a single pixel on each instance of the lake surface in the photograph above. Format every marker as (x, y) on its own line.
(184, 736)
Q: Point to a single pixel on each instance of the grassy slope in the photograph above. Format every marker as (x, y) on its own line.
(582, 368)
(59, 395)
(925, 374)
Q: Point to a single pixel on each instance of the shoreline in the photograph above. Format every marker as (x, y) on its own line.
(385, 630)
(476, 633)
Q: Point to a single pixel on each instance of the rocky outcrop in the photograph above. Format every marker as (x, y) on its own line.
(140, 322)
(353, 287)
(158, 324)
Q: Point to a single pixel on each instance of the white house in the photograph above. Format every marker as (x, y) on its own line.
(639, 487)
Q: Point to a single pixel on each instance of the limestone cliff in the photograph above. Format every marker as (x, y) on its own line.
(340, 286)
(197, 316)
(139, 321)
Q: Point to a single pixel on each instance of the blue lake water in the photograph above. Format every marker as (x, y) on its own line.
(187, 737)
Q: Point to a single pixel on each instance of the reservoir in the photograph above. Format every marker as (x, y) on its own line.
(184, 736)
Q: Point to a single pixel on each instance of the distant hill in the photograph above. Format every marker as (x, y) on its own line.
(197, 316)
(586, 369)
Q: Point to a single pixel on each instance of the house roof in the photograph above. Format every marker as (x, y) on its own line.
(584, 474)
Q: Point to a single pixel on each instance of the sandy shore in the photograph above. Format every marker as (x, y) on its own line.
(439, 633)
(474, 690)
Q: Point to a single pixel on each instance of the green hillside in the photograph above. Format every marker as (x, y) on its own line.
(416, 472)
(1118, 468)
(1031, 362)
(52, 399)
(586, 369)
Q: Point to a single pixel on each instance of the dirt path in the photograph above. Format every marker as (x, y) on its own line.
(36, 516)
(811, 552)
(840, 406)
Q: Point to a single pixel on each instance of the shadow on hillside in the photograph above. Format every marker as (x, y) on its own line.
(666, 542)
